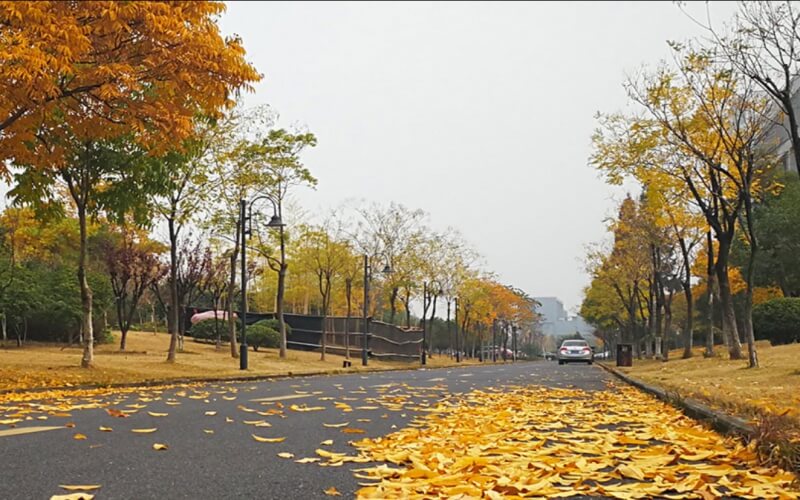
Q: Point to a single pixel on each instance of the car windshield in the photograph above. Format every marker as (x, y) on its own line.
(574, 343)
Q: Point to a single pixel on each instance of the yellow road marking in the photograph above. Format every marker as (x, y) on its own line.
(281, 398)
(27, 430)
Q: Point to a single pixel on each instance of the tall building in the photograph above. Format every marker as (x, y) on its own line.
(777, 140)
(557, 322)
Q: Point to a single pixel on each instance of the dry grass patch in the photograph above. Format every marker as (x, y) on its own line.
(39, 365)
(772, 389)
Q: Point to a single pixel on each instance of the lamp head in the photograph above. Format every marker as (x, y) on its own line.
(275, 221)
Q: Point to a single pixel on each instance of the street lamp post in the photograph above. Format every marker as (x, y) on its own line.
(458, 336)
(367, 277)
(365, 338)
(425, 303)
(246, 229)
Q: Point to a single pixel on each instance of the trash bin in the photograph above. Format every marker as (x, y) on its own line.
(624, 354)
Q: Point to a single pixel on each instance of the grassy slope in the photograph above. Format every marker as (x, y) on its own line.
(772, 388)
(54, 366)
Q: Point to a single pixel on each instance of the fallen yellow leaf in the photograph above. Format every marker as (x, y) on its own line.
(105, 429)
(160, 447)
(332, 492)
(84, 487)
(286, 455)
(268, 440)
(73, 496)
(343, 424)
(79, 437)
(327, 442)
(144, 431)
(154, 414)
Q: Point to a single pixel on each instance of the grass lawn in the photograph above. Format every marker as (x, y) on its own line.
(774, 388)
(39, 365)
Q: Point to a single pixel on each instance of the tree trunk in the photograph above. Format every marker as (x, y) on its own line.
(689, 333)
(231, 293)
(667, 326)
(726, 301)
(86, 294)
(449, 331)
(752, 355)
(281, 288)
(709, 352)
(788, 108)
(121, 322)
(174, 314)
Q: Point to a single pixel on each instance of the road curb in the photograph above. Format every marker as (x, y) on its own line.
(211, 380)
(722, 422)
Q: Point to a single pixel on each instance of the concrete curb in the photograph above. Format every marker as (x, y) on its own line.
(722, 422)
(211, 380)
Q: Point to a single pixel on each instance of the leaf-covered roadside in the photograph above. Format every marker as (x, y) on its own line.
(537, 442)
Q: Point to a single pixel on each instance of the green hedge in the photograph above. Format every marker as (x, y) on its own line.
(205, 330)
(261, 335)
(777, 320)
(265, 333)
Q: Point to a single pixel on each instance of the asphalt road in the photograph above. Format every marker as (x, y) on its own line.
(230, 463)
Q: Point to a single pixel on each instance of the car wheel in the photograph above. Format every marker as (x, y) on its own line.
(560, 362)
(590, 362)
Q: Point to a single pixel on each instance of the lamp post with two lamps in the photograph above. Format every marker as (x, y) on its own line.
(246, 228)
(367, 277)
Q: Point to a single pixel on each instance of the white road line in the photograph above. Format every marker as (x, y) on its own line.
(281, 398)
(27, 430)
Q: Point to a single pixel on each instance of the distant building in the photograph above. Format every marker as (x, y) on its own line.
(556, 322)
(777, 138)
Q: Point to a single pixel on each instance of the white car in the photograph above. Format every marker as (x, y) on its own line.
(574, 350)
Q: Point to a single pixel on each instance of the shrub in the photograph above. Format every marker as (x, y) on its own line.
(777, 320)
(262, 334)
(205, 330)
(275, 325)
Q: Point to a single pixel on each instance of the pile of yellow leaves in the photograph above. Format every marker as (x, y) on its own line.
(546, 442)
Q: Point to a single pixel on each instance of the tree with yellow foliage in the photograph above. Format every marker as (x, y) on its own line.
(104, 69)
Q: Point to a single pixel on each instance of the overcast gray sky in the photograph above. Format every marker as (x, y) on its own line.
(479, 113)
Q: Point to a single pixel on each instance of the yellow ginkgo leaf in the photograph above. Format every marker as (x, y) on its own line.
(285, 454)
(210, 413)
(160, 447)
(268, 440)
(332, 492)
(73, 496)
(308, 460)
(79, 437)
(144, 431)
(105, 429)
(208, 431)
(343, 424)
(154, 414)
(79, 487)
(353, 430)
(304, 408)
(327, 442)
